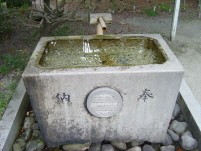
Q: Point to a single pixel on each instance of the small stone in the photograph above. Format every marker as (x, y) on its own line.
(187, 133)
(32, 114)
(28, 122)
(180, 118)
(136, 143)
(95, 147)
(26, 135)
(178, 127)
(148, 148)
(119, 145)
(72, 147)
(168, 148)
(167, 141)
(136, 148)
(156, 146)
(34, 145)
(34, 126)
(36, 134)
(19, 145)
(188, 143)
(176, 110)
(173, 135)
(107, 147)
(36, 120)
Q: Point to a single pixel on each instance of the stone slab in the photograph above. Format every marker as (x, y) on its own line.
(12, 119)
(191, 110)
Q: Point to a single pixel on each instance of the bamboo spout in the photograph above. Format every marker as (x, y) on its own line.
(102, 23)
(99, 29)
(100, 19)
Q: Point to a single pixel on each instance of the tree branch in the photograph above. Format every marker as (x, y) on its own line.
(75, 10)
(29, 25)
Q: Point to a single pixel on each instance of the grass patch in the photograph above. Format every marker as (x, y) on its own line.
(150, 12)
(5, 27)
(6, 96)
(62, 30)
(13, 62)
(164, 7)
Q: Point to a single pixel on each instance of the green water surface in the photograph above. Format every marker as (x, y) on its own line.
(101, 52)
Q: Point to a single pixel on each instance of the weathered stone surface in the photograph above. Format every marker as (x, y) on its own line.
(35, 145)
(156, 146)
(107, 147)
(173, 135)
(26, 135)
(32, 114)
(188, 143)
(148, 148)
(168, 148)
(28, 122)
(135, 143)
(59, 97)
(136, 148)
(180, 118)
(187, 133)
(34, 126)
(72, 147)
(178, 127)
(167, 141)
(95, 147)
(19, 145)
(176, 110)
(119, 145)
(36, 134)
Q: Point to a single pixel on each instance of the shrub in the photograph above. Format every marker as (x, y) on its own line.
(150, 12)
(164, 7)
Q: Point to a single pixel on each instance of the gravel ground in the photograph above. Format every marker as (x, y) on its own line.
(178, 138)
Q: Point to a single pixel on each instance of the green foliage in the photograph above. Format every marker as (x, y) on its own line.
(12, 86)
(12, 62)
(5, 27)
(62, 30)
(150, 12)
(5, 97)
(184, 6)
(164, 7)
(17, 3)
(24, 7)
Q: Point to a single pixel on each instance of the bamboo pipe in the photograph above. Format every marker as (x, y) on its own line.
(99, 29)
(102, 23)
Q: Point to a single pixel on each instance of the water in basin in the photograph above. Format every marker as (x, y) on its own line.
(101, 52)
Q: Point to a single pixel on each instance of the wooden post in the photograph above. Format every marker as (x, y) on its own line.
(175, 20)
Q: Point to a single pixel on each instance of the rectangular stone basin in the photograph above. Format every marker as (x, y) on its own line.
(94, 88)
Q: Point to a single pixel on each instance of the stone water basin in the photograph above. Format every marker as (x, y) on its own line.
(94, 88)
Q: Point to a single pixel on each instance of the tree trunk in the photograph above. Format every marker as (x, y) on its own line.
(46, 10)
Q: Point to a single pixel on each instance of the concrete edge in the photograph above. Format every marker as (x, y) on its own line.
(12, 119)
(191, 110)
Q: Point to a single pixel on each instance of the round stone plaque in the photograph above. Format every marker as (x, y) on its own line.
(104, 102)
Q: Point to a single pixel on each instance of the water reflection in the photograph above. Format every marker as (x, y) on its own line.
(100, 52)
